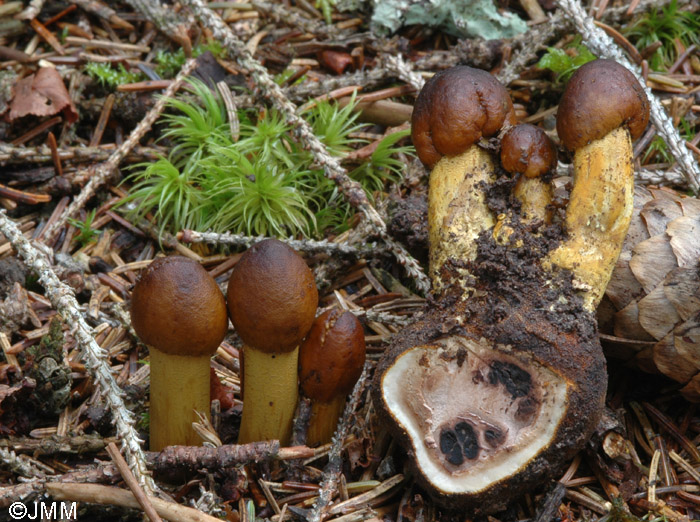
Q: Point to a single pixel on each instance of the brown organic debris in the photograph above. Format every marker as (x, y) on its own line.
(42, 94)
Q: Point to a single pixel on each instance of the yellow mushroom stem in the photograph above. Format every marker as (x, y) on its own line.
(269, 395)
(324, 420)
(457, 211)
(179, 386)
(534, 196)
(599, 212)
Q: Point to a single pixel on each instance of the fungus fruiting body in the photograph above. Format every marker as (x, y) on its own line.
(330, 362)
(528, 151)
(602, 108)
(272, 300)
(455, 109)
(178, 310)
(503, 380)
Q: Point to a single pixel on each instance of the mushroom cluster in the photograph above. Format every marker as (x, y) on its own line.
(503, 379)
(178, 310)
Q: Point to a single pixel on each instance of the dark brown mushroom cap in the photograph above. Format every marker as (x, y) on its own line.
(178, 308)
(332, 356)
(272, 297)
(526, 149)
(455, 108)
(601, 96)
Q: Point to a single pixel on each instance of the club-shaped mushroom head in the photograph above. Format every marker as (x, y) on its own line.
(527, 151)
(178, 310)
(454, 110)
(330, 362)
(603, 107)
(272, 301)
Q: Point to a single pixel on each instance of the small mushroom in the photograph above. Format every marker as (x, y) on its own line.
(272, 301)
(602, 108)
(528, 151)
(330, 362)
(178, 310)
(454, 110)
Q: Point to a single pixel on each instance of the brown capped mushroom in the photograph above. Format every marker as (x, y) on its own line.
(603, 107)
(272, 300)
(178, 310)
(528, 151)
(454, 110)
(330, 362)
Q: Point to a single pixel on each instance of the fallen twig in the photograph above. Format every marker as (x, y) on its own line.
(331, 474)
(309, 246)
(107, 495)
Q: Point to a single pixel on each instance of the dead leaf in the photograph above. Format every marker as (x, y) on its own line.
(334, 60)
(42, 94)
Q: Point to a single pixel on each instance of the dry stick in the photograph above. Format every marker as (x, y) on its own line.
(166, 20)
(351, 190)
(32, 10)
(309, 246)
(537, 39)
(111, 496)
(101, 10)
(404, 71)
(104, 171)
(603, 46)
(11, 461)
(661, 177)
(368, 79)
(193, 458)
(331, 474)
(10, 155)
(281, 14)
(131, 481)
(63, 300)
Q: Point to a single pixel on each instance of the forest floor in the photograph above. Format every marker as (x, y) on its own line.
(98, 176)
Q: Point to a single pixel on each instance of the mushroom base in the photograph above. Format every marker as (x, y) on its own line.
(179, 386)
(324, 420)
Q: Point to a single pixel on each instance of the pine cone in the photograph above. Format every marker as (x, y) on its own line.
(651, 312)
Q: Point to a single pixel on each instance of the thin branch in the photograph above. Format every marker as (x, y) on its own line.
(32, 10)
(166, 20)
(404, 71)
(331, 474)
(536, 40)
(603, 46)
(309, 246)
(104, 171)
(9, 154)
(63, 300)
(351, 190)
(19, 465)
